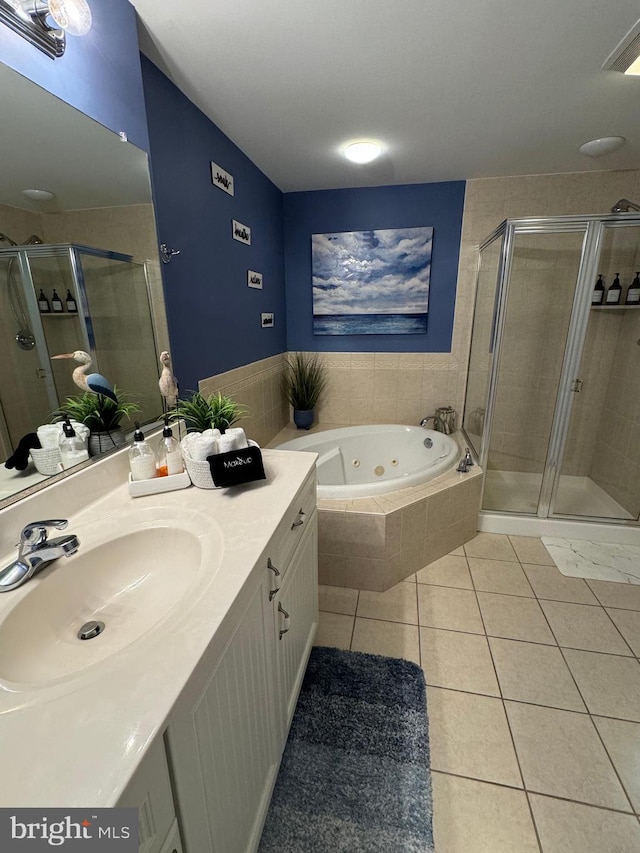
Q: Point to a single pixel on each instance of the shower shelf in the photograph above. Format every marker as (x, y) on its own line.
(60, 316)
(614, 307)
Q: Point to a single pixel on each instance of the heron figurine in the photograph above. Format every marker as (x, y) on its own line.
(94, 382)
(168, 384)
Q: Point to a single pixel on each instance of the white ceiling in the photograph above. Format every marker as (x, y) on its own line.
(455, 88)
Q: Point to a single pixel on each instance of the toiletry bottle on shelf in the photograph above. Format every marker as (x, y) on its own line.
(169, 453)
(56, 303)
(633, 294)
(43, 303)
(142, 459)
(615, 291)
(597, 297)
(72, 308)
(72, 448)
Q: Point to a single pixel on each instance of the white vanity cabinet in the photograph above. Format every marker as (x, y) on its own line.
(227, 731)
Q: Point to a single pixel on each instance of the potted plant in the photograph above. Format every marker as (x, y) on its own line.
(216, 411)
(102, 415)
(303, 381)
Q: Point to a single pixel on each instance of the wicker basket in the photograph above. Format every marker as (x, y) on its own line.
(47, 460)
(200, 472)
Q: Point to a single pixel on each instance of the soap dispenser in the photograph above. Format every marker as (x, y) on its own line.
(72, 448)
(142, 459)
(169, 453)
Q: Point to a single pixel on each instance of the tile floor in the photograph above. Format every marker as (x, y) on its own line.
(533, 692)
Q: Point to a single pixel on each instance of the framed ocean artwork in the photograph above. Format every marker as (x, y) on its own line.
(371, 282)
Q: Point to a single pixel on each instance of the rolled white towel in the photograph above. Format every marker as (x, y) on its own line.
(227, 443)
(239, 437)
(199, 445)
(49, 435)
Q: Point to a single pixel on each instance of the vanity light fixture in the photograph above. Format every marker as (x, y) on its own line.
(626, 57)
(600, 147)
(363, 151)
(45, 23)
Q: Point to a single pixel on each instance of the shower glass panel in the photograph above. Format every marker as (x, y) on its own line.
(481, 342)
(540, 287)
(600, 471)
(63, 331)
(22, 388)
(118, 305)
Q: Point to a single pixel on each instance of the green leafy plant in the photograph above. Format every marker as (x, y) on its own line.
(213, 412)
(303, 380)
(99, 413)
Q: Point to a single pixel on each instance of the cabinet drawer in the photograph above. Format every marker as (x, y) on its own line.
(292, 526)
(150, 792)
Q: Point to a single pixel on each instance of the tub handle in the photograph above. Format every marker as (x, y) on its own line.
(273, 592)
(299, 521)
(284, 630)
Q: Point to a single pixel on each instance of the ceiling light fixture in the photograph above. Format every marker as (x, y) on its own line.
(600, 147)
(626, 57)
(364, 151)
(44, 23)
(38, 195)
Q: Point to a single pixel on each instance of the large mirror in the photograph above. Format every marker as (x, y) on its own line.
(93, 241)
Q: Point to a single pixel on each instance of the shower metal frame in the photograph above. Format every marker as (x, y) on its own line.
(73, 251)
(593, 227)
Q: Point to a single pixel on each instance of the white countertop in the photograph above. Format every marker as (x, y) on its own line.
(78, 741)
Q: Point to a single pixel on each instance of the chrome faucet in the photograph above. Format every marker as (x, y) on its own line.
(35, 551)
(425, 421)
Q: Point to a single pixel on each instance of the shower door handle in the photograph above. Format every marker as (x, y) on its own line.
(577, 386)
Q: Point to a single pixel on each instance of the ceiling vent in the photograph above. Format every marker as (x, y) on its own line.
(626, 53)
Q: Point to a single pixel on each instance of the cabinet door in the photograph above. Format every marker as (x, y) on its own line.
(296, 622)
(221, 742)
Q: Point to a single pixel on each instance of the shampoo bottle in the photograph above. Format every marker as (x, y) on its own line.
(72, 307)
(72, 448)
(56, 303)
(633, 294)
(597, 298)
(615, 291)
(142, 459)
(169, 453)
(43, 303)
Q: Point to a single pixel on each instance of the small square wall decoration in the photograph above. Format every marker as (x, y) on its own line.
(371, 282)
(254, 279)
(241, 232)
(221, 179)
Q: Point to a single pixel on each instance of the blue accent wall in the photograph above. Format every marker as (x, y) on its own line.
(324, 211)
(99, 73)
(214, 317)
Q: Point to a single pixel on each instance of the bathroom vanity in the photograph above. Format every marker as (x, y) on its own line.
(182, 705)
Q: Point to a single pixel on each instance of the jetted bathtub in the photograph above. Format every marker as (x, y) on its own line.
(364, 461)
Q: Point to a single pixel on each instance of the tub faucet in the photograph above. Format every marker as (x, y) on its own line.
(35, 551)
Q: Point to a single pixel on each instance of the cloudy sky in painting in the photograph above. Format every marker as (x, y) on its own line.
(372, 272)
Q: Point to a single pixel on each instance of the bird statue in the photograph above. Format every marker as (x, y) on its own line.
(95, 382)
(168, 384)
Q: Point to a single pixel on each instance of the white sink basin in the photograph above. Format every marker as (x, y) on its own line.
(135, 582)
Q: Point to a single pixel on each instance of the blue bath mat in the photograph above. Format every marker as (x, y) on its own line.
(355, 772)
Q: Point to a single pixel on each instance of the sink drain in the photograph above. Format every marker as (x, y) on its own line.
(90, 630)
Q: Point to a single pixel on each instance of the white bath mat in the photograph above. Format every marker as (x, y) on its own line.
(601, 561)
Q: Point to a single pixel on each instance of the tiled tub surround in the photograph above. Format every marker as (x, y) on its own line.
(257, 387)
(373, 543)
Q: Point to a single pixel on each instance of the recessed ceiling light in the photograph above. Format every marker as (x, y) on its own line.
(362, 152)
(38, 195)
(599, 147)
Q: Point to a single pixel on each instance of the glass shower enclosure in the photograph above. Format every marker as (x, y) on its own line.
(113, 323)
(553, 389)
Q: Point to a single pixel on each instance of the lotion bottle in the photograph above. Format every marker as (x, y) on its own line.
(142, 459)
(72, 447)
(169, 453)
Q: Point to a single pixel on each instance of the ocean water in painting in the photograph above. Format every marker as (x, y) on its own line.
(369, 324)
